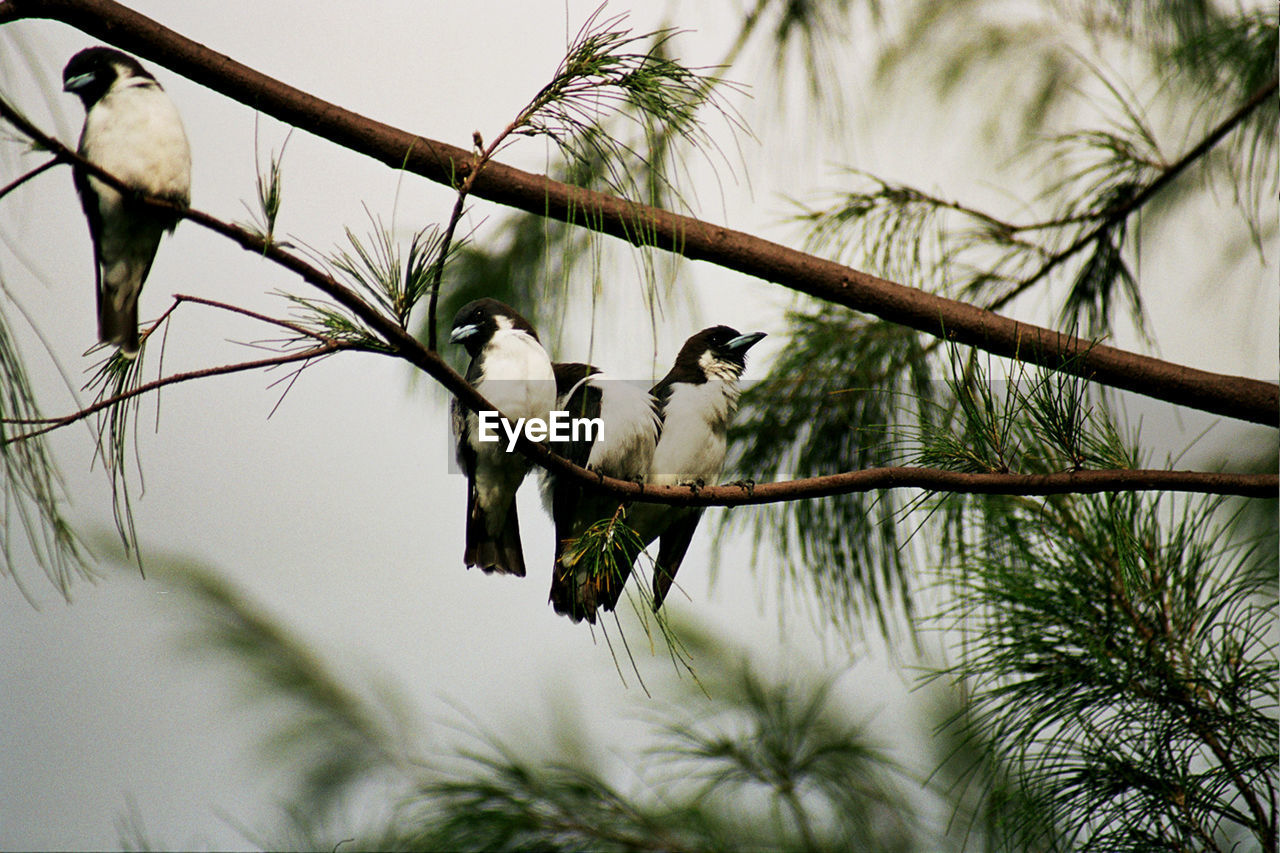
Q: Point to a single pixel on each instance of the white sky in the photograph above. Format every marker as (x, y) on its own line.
(336, 514)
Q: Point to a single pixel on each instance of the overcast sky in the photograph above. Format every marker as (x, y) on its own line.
(337, 513)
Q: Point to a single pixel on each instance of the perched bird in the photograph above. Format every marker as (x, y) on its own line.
(510, 369)
(623, 448)
(698, 398)
(131, 130)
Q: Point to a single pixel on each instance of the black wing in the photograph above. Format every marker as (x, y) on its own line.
(571, 593)
(91, 204)
(672, 547)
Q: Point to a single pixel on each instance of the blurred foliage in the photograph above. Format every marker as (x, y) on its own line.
(31, 497)
(1115, 689)
(840, 401)
(740, 761)
(332, 738)
(1026, 58)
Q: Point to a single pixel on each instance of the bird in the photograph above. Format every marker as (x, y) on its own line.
(510, 368)
(623, 448)
(697, 400)
(133, 131)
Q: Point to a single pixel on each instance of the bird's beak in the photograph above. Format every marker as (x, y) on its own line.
(742, 343)
(78, 82)
(461, 333)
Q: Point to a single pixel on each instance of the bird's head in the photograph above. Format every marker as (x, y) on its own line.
(477, 322)
(719, 352)
(92, 72)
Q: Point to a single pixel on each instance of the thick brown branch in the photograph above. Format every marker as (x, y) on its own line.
(940, 480)
(1233, 396)
(404, 345)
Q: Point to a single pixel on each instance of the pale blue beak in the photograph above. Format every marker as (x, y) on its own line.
(744, 342)
(461, 333)
(78, 82)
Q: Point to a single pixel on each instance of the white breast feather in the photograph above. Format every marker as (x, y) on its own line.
(517, 375)
(135, 133)
(518, 380)
(692, 445)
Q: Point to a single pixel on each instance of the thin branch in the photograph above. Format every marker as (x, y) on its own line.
(1233, 396)
(19, 181)
(51, 424)
(236, 309)
(434, 299)
(482, 156)
(1265, 825)
(1110, 217)
(1185, 691)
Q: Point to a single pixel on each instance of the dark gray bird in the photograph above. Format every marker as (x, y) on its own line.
(510, 369)
(624, 448)
(698, 398)
(133, 131)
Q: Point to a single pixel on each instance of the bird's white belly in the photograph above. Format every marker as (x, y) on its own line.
(137, 136)
(692, 445)
(517, 380)
(518, 377)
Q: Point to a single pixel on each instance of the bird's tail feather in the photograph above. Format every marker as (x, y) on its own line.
(118, 303)
(494, 553)
(120, 284)
(119, 326)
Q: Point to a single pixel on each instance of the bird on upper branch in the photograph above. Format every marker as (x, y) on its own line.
(132, 130)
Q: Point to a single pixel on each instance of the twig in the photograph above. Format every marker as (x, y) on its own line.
(1110, 217)
(50, 424)
(482, 156)
(17, 182)
(275, 321)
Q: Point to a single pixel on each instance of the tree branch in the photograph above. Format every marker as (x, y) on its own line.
(1110, 217)
(301, 331)
(479, 160)
(941, 480)
(22, 179)
(51, 424)
(404, 345)
(1233, 396)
